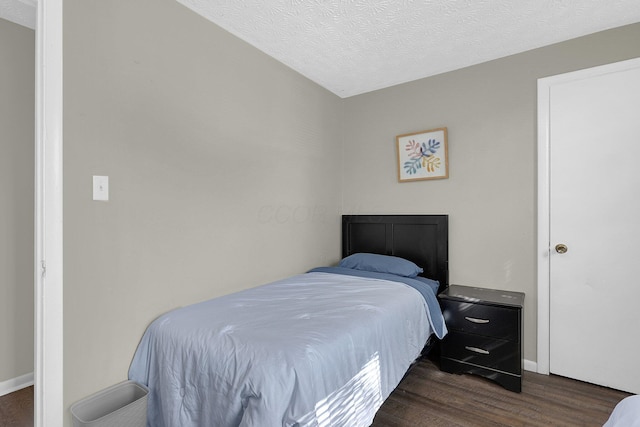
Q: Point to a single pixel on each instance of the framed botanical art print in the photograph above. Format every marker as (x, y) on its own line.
(423, 155)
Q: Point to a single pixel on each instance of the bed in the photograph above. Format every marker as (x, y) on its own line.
(626, 413)
(323, 348)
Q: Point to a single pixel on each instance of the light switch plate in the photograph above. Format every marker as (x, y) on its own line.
(101, 188)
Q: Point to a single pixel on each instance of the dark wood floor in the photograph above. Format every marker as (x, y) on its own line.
(428, 397)
(16, 409)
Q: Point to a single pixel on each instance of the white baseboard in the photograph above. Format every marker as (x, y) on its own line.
(530, 365)
(15, 384)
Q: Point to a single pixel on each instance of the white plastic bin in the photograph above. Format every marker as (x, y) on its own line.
(121, 405)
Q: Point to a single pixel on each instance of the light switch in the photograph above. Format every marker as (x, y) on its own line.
(101, 188)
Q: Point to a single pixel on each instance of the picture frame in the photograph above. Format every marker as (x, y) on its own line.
(423, 155)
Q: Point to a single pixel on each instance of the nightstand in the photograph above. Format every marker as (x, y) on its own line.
(485, 334)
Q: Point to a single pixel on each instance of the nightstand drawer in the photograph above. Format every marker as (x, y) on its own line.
(483, 351)
(481, 319)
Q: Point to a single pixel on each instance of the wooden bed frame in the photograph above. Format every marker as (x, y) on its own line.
(422, 239)
(418, 238)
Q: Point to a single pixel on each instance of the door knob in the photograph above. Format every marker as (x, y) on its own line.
(561, 249)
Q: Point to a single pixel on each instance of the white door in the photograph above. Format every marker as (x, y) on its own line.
(594, 291)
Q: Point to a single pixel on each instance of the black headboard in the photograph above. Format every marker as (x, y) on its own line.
(422, 239)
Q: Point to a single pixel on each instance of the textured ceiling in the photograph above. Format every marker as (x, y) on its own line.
(21, 12)
(356, 46)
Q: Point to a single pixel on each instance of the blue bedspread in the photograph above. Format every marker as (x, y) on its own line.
(316, 349)
(427, 288)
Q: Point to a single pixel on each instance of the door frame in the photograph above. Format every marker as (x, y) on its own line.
(48, 289)
(544, 195)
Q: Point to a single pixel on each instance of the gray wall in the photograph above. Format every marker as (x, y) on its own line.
(17, 112)
(224, 170)
(490, 196)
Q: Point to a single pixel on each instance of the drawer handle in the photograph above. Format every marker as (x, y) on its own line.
(476, 349)
(474, 320)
